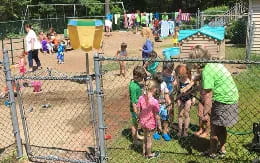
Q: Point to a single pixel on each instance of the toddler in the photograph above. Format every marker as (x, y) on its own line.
(135, 91)
(121, 54)
(169, 79)
(165, 107)
(151, 65)
(149, 108)
(44, 43)
(22, 63)
(60, 52)
(176, 36)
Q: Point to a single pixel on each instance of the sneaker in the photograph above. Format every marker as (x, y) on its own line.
(156, 136)
(153, 155)
(222, 154)
(166, 137)
(210, 155)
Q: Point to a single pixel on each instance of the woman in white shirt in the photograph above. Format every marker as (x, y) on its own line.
(32, 47)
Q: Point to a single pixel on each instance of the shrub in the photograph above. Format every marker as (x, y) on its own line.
(236, 32)
(218, 10)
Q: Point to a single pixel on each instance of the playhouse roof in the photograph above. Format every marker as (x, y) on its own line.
(217, 33)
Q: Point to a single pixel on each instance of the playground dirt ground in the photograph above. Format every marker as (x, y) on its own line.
(66, 124)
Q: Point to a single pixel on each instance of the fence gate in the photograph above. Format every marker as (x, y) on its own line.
(57, 117)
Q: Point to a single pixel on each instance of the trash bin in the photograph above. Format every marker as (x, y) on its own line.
(85, 33)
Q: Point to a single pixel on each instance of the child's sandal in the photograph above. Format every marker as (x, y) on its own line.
(153, 155)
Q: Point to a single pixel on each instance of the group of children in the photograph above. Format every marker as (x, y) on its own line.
(153, 96)
(52, 44)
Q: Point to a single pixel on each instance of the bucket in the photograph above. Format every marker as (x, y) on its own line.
(170, 52)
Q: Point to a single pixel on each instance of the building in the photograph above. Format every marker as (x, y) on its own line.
(211, 38)
(254, 8)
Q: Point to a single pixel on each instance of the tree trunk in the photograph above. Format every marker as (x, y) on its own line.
(107, 9)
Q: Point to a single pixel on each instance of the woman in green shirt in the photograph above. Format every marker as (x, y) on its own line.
(220, 100)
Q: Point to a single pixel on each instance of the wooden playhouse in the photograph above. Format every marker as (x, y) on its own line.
(211, 38)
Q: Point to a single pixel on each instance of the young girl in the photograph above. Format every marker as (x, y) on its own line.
(165, 107)
(151, 65)
(176, 36)
(149, 108)
(184, 100)
(22, 64)
(121, 54)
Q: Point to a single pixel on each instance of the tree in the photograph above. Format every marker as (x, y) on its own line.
(107, 8)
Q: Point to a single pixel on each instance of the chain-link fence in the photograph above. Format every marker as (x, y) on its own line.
(7, 143)
(118, 116)
(55, 121)
(52, 115)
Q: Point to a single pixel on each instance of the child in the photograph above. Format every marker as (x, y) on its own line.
(165, 107)
(135, 91)
(176, 36)
(151, 65)
(60, 52)
(49, 44)
(149, 108)
(22, 63)
(44, 45)
(184, 100)
(204, 124)
(121, 54)
(168, 78)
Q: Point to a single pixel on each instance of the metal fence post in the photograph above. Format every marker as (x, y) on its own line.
(15, 124)
(93, 111)
(12, 53)
(24, 123)
(99, 93)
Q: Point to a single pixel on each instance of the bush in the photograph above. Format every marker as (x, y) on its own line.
(218, 10)
(236, 32)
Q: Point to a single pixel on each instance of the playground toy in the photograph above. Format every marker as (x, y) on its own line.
(36, 86)
(211, 38)
(168, 53)
(85, 33)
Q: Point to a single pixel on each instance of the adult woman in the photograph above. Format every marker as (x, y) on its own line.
(220, 96)
(148, 45)
(32, 47)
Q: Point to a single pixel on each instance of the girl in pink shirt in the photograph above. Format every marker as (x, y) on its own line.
(22, 64)
(149, 109)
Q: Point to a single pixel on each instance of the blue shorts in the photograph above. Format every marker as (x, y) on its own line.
(164, 113)
(137, 24)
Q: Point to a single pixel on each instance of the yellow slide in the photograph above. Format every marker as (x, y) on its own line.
(86, 34)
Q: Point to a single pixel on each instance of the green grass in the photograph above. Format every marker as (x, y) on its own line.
(235, 53)
(188, 150)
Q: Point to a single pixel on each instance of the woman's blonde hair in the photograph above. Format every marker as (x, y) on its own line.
(198, 52)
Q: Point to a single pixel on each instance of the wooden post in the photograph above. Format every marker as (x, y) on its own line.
(87, 64)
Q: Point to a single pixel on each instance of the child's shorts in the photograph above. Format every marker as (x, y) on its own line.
(164, 113)
(134, 118)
